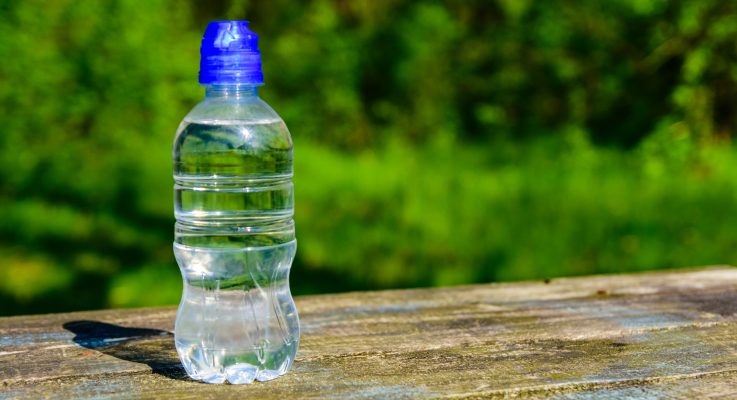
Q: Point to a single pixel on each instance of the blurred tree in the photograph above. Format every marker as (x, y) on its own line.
(91, 93)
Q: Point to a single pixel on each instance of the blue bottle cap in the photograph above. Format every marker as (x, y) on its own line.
(229, 55)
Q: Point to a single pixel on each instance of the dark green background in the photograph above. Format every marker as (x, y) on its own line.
(436, 142)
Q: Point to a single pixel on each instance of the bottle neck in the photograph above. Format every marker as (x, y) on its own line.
(231, 91)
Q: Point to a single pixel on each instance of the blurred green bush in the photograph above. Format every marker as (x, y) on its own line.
(436, 142)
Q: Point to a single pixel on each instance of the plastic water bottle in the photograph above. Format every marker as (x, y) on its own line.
(234, 234)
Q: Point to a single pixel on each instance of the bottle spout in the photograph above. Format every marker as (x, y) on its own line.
(229, 55)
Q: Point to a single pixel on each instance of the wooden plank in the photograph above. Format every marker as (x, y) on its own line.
(667, 334)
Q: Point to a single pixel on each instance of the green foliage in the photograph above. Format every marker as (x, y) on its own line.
(436, 142)
(447, 213)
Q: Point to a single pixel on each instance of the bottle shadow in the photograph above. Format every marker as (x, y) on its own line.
(130, 344)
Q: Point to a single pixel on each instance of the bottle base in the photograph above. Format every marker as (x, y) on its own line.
(212, 366)
(238, 374)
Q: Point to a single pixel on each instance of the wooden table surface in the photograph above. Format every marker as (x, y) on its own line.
(655, 335)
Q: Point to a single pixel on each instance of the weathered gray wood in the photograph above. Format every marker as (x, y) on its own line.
(655, 335)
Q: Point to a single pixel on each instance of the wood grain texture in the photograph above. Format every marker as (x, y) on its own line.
(654, 335)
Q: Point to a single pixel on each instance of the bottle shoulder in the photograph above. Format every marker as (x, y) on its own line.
(237, 111)
(244, 122)
(233, 129)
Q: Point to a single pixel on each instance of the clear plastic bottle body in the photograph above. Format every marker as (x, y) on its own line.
(234, 239)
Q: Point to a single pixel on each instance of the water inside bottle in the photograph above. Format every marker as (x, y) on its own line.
(234, 243)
